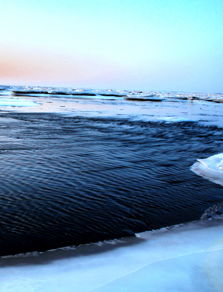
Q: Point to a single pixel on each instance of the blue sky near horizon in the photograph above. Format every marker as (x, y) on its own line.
(157, 45)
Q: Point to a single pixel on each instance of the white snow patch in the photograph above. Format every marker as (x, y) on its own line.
(186, 258)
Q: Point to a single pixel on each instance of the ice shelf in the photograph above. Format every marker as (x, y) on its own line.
(183, 258)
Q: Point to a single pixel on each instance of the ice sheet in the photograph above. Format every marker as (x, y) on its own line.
(185, 258)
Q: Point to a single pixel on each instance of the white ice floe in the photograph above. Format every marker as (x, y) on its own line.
(210, 168)
(16, 102)
(187, 258)
(172, 119)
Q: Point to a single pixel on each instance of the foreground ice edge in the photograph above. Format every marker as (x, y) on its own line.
(188, 257)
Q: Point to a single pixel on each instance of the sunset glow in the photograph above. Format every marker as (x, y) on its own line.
(172, 45)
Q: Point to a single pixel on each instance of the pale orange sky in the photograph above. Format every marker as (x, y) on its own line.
(39, 68)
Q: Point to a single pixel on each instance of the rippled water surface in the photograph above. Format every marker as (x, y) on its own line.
(81, 168)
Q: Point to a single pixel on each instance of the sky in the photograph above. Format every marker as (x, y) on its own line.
(120, 44)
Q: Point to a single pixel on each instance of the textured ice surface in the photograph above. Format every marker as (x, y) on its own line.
(210, 168)
(186, 258)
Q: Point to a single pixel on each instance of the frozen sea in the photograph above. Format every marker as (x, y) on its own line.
(82, 166)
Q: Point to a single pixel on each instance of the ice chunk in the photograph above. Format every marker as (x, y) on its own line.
(210, 168)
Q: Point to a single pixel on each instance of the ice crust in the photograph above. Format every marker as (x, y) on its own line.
(185, 258)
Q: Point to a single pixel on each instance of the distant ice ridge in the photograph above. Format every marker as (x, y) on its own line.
(131, 95)
(210, 168)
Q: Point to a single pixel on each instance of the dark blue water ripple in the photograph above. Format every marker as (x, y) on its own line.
(72, 180)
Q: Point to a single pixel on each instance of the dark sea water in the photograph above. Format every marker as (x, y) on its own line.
(106, 167)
